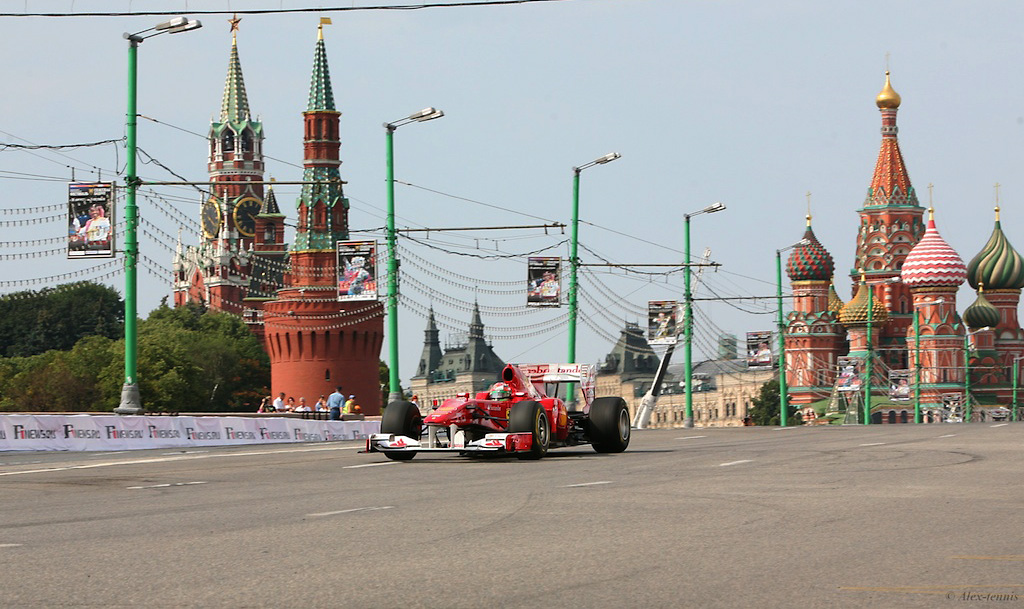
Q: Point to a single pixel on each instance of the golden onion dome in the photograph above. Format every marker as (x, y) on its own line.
(835, 303)
(855, 312)
(888, 98)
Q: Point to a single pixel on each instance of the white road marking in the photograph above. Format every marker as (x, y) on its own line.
(370, 465)
(117, 452)
(785, 428)
(362, 509)
(949, 435)
(587, 484)
(690, 437)
(180, 457)
(999, 425)
(873, 444)
(735, 462)
(10, 545)
(133, 488)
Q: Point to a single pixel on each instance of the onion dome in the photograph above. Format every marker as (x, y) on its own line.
(932, 262)
(997, 266)
(835, 303)
(810, 261)
(981, 314)
(888, 98)
(855, 312)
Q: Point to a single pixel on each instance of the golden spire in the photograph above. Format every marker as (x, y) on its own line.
(888, 98)
(320, 28)
(808, 208)
(234, 21)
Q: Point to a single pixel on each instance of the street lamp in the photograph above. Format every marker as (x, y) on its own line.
(688, 308)
(1016, 366)
(574, 262)
(131, 402)
(426, 114)
(783, 388)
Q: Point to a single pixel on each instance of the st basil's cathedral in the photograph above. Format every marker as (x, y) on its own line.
(903, 313)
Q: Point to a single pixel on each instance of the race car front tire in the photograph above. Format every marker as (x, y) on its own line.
(608, 426)
(402, 419)
(529, 417)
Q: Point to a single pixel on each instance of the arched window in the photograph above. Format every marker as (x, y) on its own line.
(228, 141)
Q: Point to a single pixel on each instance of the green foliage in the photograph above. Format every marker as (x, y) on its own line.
(32, 322)
(189, 360)
(765, 409)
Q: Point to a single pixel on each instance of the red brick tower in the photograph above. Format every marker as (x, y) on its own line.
(218, 272)
(314, 341)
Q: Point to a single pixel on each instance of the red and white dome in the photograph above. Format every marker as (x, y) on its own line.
(932, 262)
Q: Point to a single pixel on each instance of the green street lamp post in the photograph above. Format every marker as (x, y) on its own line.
(1016, 367)
(427, 114)
(688, 311)
(917, 366)
(783, 388)
(868, 359)
(574, 261)
(131, 402)
(967, 376)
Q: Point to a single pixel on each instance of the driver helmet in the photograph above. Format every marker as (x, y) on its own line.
(500, 391)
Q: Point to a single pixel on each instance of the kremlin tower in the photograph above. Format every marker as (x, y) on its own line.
(240, 258)
(316, 342)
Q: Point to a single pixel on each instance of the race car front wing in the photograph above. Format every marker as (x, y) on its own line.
(490, 443)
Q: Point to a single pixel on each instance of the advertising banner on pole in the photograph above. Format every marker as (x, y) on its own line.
(849, 374)
(357, 270)
(899, 385)
(759, 349)
(661, 322)
(91, 220)
(544, 285)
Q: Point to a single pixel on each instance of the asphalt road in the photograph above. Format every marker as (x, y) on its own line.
(879, 516)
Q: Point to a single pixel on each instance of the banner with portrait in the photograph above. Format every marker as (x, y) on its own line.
(759, 349)
(899, 385)
(91, 220)
(544, 282)
(849, 374)
(357, 270)
(662, 322)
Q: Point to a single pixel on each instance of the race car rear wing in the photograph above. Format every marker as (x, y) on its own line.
(539, 374)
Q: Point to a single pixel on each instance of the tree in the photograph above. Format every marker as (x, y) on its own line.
(765, 409)
(56, 318)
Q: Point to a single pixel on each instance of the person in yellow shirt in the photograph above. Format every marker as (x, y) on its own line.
(349, 403)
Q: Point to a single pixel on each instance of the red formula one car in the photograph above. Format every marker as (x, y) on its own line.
(521, 415)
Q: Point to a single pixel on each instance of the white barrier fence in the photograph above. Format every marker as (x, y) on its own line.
(111, 432)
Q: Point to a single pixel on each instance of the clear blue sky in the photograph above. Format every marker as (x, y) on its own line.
(749, 103)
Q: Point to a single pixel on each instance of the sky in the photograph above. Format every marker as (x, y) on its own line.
(753, 104)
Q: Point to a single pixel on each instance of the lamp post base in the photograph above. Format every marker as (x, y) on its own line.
(688, 422)
(395, 396)
(131, 402)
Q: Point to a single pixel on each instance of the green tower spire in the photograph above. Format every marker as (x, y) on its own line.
(321, 97)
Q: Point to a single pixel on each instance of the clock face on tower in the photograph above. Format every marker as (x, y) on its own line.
(245, 215)
(211, 218)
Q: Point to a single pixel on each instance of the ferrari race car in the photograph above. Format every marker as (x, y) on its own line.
(523, 414)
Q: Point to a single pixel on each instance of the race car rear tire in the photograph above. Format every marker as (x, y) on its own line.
(529, 417)
(402, 419)
(609, 425)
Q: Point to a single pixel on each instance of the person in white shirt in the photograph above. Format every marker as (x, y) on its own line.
(279, 402)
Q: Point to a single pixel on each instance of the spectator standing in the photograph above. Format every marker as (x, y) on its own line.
(334, 403)
(321, 404)
(302, 406)
(291, 405)
(279, 402)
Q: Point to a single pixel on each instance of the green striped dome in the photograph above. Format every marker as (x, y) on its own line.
(998, 266)
(981, 314)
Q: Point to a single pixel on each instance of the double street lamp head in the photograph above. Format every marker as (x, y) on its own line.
(608, 158)
(710, 209)
(173, 26)
(426, 114)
